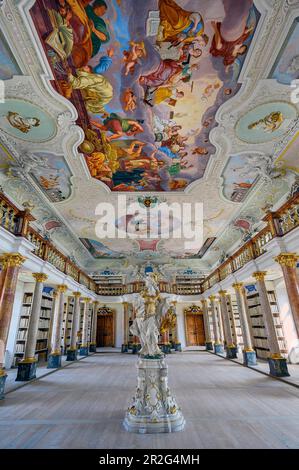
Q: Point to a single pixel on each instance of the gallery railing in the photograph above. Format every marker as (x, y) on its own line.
(17, 222)
(278, 223)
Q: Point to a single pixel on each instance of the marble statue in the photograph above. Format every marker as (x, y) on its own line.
(153, 408)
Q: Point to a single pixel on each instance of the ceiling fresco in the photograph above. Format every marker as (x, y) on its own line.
(146, 82)
(176, 101)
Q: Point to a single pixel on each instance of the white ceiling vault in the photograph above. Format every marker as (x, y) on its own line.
(248, 173)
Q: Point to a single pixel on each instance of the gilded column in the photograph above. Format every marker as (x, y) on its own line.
(84, 346)
(277, 363)
(231, 350)
(249, 355)
(94, 324)
(288, 263)
(54, 359)
(72, 351)
(220, 321)
(125, 345)
(218, 346)
(11, 263)
(27, 367)
(206, 321)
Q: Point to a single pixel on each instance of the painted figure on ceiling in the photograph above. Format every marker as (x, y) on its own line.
(96, 89)
(119, 126)
(23, 124)
(178, 25)
(269, 123)
(229, 50)
(89, 29)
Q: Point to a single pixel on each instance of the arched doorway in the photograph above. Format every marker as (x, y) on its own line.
(106, 327)
(194, 326)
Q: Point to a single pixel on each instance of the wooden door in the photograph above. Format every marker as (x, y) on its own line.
(195, 330)
(105, 331)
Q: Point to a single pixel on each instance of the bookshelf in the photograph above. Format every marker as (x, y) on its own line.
(233, 311)
(260, 340)
(67, 324)
(43, 327)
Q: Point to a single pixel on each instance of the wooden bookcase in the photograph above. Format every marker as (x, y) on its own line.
(234, 313)
(43, 327)
(67, 324)
(260, 340)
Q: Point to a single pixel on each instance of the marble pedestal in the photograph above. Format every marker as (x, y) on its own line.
(218, 348)
(278, 367)
(153, 409)
(26, 371)
(3, 377)
(209, 346)
(54, 361)
(231, 352)
(83, 351)
(71, 355)
(249, 358)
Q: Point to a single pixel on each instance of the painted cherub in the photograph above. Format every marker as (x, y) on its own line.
(131, 57)
(129, 100)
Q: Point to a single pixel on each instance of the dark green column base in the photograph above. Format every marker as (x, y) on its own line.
(92, 348)
(165, 348)
(26, 371)
(71, 355)
(54, 361)
(249, 358)
(124, 348)
(209, 346)
(278, 367)
(2, 386)
(83, 351)
(177, 347)
(231, 352)
(135, 348)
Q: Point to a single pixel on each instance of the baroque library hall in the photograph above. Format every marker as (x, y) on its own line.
(149, 228)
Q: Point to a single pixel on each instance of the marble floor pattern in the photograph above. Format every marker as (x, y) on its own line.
(82, 406)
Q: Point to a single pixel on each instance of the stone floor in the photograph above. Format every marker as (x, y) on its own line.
(82, 406)
(263, 366)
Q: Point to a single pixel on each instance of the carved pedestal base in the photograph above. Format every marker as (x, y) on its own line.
(71, 355)
(249, 358)
(209, 346)
(54, 361)
(26, 371)
(153, 409)
(278, 367)
(3, 377)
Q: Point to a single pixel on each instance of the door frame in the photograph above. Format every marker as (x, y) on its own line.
(192, 310)
(105, 311)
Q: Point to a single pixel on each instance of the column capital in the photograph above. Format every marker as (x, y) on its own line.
(204, 301)
(40, 277)
(86, 300)
(55, 294)
(238, 285)
(77, 294)
(222, 293)
(287, 259)
(62, 288)
(259, 275)
(212, 297)
(96, 302)
(12, 260)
